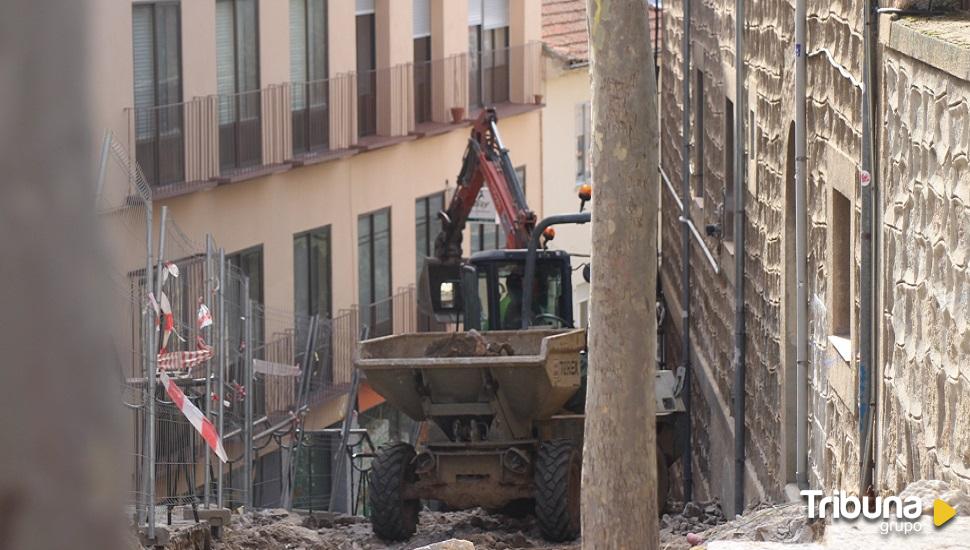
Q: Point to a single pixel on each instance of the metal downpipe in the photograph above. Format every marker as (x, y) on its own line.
(530, 256)
(740, 189)
(801, 255)
(867, 298)
(685, 253)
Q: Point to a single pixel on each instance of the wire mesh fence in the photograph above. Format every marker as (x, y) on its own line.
(194, 347)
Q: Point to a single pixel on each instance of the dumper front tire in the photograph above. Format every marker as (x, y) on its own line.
(393, 517)
(558, 473)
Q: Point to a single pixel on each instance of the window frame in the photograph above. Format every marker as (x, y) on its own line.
(371, 249)
(154, 139)
(312, 306)
(430, 234)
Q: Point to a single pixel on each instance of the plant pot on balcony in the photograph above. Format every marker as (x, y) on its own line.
(457, 114)
(538, 99)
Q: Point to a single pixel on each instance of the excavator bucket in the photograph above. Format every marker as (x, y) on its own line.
(439, 290)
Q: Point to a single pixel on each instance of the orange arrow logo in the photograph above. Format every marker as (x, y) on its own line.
(942, 512)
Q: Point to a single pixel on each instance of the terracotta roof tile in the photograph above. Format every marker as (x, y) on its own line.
(564, 29)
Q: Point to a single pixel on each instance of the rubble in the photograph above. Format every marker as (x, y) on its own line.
(436, 531)
(467, 344)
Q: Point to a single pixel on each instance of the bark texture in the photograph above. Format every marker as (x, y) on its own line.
(619, 458)
(61, 474)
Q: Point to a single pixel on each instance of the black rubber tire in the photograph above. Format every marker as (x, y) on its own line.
(558, 473)
(392, 516)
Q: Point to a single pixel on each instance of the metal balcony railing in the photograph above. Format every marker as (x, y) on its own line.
(240, 130)
(505, 75)
(230, 136)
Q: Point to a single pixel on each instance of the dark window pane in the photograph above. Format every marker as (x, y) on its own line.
(158, 92)
(237, 66)
(422, 79)
(366, 76)
(301, 276)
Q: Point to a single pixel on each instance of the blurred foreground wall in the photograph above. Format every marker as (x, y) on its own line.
(59, 474)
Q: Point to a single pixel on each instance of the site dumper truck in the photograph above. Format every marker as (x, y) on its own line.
(504, 399)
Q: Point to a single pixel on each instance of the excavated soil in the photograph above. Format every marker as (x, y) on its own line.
(487, 531)
(467, 344)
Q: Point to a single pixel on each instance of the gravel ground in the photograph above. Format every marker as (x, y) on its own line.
(279, 529)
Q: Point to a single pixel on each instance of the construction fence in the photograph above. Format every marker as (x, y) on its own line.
(242, 378)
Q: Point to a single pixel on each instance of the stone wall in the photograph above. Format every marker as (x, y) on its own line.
(925, 386)
(834, 147)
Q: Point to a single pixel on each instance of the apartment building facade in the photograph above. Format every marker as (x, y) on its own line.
(567, 127)
(918, 291)
(317, 139)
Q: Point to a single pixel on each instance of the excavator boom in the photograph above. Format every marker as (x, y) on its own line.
(486, 162)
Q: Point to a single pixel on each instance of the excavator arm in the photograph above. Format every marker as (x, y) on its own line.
(486, 162)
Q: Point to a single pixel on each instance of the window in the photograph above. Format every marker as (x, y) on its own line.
(488, 48)
(308, 73)
(699, 162)
(727, 225)
(366, 70)
(492, 236)
(311, 273)
(487, 236)
(425, 229)
(546, 297)
(374, 271)
(840, 223)
(158, 91)
(422, 61)
(583, 121)
(751, 155)
(237, 68)
(249, 262)
(520, 174)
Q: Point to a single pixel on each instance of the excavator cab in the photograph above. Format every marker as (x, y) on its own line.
(485, 293)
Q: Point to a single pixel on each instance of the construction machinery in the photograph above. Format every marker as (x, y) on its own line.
(502, 401)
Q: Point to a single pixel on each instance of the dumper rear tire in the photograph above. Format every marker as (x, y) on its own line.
(393, 517)
(558, 473)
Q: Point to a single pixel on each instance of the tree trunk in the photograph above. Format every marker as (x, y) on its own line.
(619, 496)
(62, 475)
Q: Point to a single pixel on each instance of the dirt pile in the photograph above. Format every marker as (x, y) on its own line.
(487, 531)
(280, 529)
(467, 344)
(784, 523)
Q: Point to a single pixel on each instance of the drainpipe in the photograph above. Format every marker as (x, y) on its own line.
(867, 180)
(685, 256)
(740, 190)
(801, 255)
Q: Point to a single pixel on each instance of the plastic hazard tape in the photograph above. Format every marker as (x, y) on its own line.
(195, 417)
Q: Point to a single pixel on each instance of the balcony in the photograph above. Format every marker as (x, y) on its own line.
(218, 139)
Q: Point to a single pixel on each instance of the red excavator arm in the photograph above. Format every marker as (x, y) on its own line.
(486, 162)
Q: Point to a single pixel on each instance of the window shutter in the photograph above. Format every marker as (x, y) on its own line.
(365, 7)
(298, 51)
(496, 14)
(317, 38)
(225, 59)
(144, 58)
(422, 18)
(474, 12)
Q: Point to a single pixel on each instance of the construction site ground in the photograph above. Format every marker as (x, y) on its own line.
(696, 526)
(486, 531)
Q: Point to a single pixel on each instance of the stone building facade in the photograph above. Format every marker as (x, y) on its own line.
(925, 390)
(921, 234)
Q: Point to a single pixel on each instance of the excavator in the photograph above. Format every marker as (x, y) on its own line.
(503, 415)
(487, 291)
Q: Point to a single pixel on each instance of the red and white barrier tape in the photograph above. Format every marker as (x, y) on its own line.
(195, 417)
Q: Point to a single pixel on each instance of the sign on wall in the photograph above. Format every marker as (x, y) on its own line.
(484, 208)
